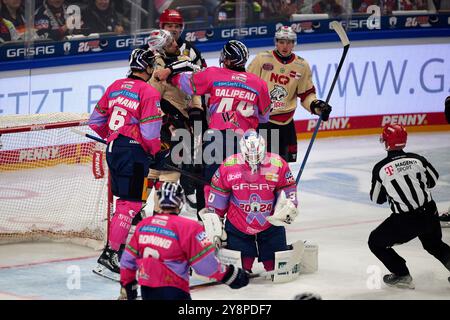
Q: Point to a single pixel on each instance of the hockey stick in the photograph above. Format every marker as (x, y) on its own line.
(166, 166)
(294, 259)
(346, 43)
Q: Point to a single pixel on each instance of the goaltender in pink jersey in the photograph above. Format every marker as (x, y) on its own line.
(256, 192)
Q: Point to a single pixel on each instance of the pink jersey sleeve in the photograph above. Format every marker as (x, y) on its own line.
(98, 120)
(264, 103)
(197, 83)
(201, 252)
(128, 265)
(287, 183)
(220, 191)
(150, 124)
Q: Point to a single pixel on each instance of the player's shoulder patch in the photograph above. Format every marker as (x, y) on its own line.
(231, 161)
(276, 161)
(265, 54)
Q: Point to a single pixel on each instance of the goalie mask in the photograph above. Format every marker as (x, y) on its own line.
(253, 149)
(171, 196)
(394, 137)
(159, 40)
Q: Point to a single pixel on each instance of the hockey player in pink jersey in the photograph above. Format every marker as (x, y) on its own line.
(257, 193)
(128, 116)
(163, 248)
(239, 101)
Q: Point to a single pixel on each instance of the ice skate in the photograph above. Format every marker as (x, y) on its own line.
(108, 265)
(403, 282)
(445, 220)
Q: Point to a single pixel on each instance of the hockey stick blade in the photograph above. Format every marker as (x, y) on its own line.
(297, 253)
(346, 44)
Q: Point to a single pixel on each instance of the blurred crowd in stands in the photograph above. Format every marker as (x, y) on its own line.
(60, 19)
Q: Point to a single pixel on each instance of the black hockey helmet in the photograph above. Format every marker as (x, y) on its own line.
(140, 59)
(236, 52)
(170, 196)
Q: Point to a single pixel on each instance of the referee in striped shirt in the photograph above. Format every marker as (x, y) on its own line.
(403, 179)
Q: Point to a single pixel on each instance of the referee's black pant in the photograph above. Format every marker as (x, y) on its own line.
(401, 228)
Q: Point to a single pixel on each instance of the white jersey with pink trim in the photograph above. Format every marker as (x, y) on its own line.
(249, 198)
(239, 100)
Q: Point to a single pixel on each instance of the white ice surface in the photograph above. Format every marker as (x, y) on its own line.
(335, 213)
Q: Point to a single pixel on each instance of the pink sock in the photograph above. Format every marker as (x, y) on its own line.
(121, 222)
(269, 265)
(247, 263)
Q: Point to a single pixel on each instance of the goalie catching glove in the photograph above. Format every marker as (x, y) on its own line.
(213, 227)
(284, 213)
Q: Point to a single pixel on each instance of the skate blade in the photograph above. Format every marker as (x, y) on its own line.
(403, 285)
(106, 273)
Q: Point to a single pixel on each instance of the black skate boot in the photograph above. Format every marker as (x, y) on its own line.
(403, 282)
(445, 220)
(108, 265)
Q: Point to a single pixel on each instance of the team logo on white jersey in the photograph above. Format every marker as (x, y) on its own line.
(267, 66)
(278, 93)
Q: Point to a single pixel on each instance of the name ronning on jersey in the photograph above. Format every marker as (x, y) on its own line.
(154, 240)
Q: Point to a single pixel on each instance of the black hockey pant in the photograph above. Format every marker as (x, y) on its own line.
(401, 228)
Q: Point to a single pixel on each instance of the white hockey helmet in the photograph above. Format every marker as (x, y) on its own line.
(253, 148)
(285, 33)
(159, 39)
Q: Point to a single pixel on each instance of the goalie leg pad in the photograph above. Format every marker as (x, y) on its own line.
(227, 256)
(310, 259)
(285, 259)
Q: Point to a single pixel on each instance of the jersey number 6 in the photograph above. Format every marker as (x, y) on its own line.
(117, 119)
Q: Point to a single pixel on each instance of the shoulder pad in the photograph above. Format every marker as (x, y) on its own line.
(231, 161)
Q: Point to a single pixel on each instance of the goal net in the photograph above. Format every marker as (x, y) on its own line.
(51, 181)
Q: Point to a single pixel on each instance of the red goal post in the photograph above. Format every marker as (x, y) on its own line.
(53, 182)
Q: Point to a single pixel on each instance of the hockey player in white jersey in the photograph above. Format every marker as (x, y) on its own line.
(288, 77)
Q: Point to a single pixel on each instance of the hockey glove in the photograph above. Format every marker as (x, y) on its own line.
(284, 213)
(235, 277)
(320, 107)
(129, 291)
(181, 66)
